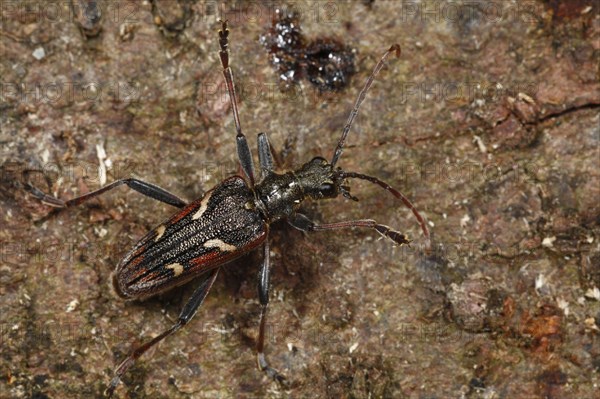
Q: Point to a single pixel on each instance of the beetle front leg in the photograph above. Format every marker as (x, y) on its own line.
(263, 295)
(188, 311)
(264, 155)
(303, 223)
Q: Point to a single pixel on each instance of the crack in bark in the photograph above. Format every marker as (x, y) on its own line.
(566, 111)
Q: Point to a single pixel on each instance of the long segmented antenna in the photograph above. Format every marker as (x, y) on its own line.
(361, 97)
(395, 193)
(224, 56)
(244, 154)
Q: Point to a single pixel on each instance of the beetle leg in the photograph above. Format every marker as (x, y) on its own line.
(303, 223)
(264, 154)
(149, 190)
(188, 311)
(263, 296)
(395, 193)
(245, 157)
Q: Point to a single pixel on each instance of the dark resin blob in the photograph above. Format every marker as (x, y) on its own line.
(326, 62)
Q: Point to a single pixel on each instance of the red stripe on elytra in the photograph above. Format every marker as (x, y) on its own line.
(205, 258)
(186, 211)
(133, 266)
(138, 252)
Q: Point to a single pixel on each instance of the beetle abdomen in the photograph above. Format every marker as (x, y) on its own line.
(207, 233)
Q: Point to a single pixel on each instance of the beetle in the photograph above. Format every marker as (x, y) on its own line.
(230, 220)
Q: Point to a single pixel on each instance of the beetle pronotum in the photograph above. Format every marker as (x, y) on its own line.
(230, 220)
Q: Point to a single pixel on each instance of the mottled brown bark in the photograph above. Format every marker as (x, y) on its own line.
(488, 123)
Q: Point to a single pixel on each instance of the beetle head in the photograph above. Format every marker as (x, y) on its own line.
(319, 180)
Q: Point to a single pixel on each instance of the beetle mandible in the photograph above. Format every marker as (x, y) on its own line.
(230, 220)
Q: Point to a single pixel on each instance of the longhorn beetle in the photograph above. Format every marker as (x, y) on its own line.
(230, 220)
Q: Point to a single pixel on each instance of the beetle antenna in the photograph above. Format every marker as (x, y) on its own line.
(224, 56)
(361, 97)
(395, 193)
(244, 154)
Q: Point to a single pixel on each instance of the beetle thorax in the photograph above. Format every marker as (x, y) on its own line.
(280, 195)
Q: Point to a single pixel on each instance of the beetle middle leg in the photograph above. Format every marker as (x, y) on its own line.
(301, 222)
(188, 311)
(263, 295)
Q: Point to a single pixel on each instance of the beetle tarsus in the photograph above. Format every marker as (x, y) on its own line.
(270, 371)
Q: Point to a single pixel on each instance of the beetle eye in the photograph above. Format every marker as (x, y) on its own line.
(327, 189)
(318, 160)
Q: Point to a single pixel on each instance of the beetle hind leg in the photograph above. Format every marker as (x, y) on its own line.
(263, 296)
(188, 311)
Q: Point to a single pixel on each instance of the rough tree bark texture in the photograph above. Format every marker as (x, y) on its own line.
(488, 122)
